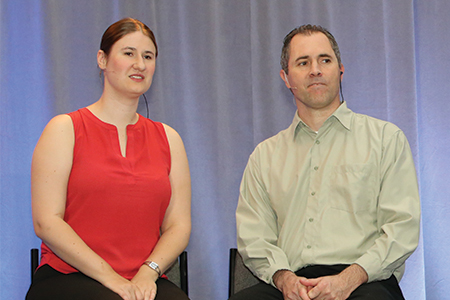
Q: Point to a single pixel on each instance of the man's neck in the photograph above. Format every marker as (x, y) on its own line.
(315, 118)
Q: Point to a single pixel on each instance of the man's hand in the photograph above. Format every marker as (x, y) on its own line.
(290, 285)
(336, 287)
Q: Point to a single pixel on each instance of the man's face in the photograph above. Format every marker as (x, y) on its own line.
(314, 72)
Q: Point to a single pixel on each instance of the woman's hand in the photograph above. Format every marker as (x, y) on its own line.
(126, 289)
(145, 279)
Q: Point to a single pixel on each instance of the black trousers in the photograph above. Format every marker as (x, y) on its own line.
(50, 284)
(380, 290)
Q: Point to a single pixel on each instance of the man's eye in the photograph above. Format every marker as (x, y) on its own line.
(128, 54)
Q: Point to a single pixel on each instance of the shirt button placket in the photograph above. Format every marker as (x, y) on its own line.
(310, 225)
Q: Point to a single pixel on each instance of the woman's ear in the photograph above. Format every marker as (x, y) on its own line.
(101, 59)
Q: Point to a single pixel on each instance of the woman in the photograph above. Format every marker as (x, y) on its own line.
(110, 188)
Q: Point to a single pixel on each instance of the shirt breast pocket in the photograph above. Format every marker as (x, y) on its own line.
(352, 187)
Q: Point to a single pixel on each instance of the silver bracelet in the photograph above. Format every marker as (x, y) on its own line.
(154, 266)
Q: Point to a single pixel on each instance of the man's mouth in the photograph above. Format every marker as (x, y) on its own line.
(314, 84)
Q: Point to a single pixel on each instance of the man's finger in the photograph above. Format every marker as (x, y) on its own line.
(313, 293)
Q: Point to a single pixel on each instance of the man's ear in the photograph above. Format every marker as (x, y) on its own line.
(342, 69)
(284, 77)
(101, 59)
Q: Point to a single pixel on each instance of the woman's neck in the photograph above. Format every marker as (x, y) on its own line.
(119, 112)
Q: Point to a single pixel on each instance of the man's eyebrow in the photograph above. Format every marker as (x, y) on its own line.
(307, 56)
(302, 57)
(325, 55)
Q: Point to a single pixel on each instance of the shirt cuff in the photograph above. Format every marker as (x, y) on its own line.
(272, 270)
(372, 268)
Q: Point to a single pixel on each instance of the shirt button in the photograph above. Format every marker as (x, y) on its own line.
(313, 193)
(309, 246)
(311, 219)
(317, 142)
(316, 168)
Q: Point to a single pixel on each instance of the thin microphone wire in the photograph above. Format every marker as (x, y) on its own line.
(145, 98)
(146, 103)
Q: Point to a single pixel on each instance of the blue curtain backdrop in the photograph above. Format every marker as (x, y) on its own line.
(217, 84)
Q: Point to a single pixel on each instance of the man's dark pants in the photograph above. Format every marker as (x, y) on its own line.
(379, 290)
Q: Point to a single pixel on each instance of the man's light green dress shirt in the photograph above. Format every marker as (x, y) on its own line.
(346, 194)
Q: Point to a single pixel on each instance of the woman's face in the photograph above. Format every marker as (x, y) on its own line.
(130, 65)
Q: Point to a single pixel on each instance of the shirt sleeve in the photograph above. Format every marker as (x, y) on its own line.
(257, 230)
(398, 212)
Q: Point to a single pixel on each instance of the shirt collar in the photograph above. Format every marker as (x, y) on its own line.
(343, 114)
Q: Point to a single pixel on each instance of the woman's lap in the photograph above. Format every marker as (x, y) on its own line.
(50, 284)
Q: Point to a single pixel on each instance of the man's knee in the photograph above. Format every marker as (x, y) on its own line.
(260, 291)
(386, 289)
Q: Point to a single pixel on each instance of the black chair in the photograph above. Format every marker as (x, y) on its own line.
(177, 273)
(240, 276)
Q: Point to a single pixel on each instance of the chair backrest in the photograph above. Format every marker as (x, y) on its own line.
(240, 276)
(177, 273)
(34, 261)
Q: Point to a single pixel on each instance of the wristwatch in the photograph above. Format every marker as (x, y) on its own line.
(153, 266)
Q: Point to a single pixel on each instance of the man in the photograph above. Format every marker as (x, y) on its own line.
(328, 208)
